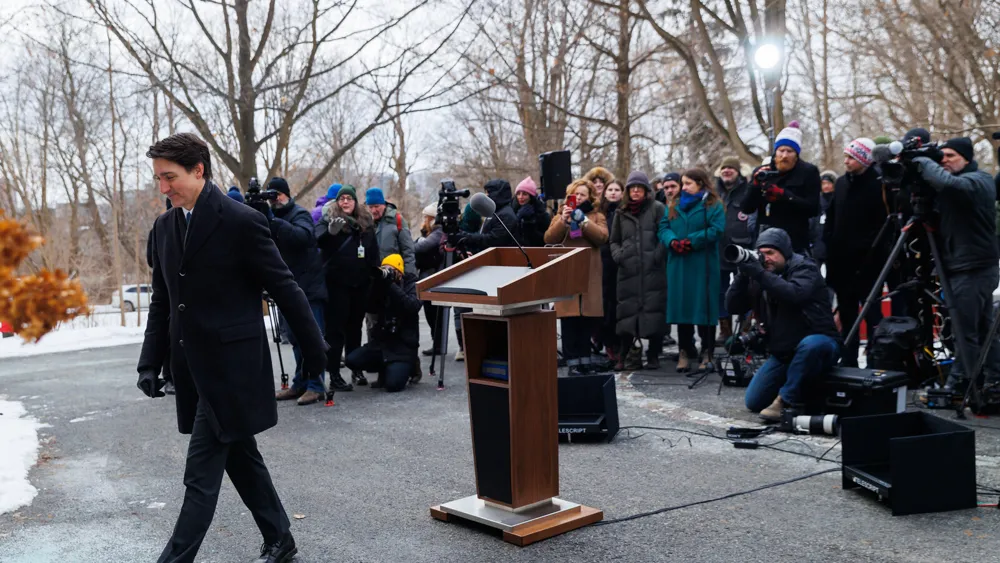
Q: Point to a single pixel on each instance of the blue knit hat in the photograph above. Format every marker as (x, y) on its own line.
(374, 196)
(790, 136)
(234, 193)
(331, 192)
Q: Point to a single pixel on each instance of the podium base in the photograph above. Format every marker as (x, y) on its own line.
(525, 527)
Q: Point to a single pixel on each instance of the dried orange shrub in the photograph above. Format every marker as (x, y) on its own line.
(36, 303)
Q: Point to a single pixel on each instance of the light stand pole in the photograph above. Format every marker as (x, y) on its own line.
(767, 58)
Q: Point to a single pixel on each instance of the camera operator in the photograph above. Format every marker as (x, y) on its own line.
(966, 199)
(787, 294)
(292, 231)
(853, 222)
(786, 191)
(392, 345)
(492, 233)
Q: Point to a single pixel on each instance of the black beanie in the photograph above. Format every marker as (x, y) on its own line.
(918, 132)
(961, 145)
(279, 185)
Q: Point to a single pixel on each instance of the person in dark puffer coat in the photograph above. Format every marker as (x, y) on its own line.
(642, 276)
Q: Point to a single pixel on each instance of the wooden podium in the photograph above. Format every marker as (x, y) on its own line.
(515, 442)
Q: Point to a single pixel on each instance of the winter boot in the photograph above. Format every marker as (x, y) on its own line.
(706, 361)
(358, 378)
(725, 329)
(337, 383)
(683, 364)
(773, 412)
(633, 359)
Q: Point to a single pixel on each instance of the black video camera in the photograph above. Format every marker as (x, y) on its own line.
(255, 195)
(449, 210)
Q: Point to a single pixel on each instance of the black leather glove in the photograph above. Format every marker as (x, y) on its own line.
(751, 268)
(458, 239)
(150, 384)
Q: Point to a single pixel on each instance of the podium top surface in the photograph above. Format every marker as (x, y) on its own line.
(499, 277)
(485, 280)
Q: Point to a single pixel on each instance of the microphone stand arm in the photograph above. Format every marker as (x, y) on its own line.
(513, 238)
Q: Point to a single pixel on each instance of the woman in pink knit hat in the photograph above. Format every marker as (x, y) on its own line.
(531, 213)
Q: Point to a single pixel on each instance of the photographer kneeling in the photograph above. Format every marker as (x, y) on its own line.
(789, 297)
(392, 345)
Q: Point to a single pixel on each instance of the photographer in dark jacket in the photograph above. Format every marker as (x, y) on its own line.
(788, 296)
(292, 231)
(392, 345)
(430, 253)
(492, 233)
(734, 189)
(966, 202)
(346, 237)
(853, 222)
(532, 217)
(789, 200)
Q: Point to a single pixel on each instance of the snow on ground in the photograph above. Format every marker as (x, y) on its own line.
(98, 330)
(19, 436)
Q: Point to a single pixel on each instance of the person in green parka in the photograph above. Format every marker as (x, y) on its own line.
(691, 230)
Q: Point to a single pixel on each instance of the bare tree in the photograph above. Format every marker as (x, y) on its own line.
(248, 68)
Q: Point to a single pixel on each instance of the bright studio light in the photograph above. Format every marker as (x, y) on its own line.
(767, 56)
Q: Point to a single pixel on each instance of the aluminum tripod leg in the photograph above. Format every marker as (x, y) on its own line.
(877, 288)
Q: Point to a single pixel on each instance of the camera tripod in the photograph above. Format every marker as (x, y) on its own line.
(441, 323)
(272, 309)
(917, 223)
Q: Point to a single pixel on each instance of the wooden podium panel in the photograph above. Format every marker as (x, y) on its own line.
(526, 425)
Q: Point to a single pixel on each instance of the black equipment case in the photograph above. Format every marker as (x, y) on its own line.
(862, 392)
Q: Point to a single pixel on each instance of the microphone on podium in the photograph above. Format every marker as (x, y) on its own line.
(486, 207)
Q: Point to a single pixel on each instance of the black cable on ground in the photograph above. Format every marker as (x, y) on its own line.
(770, 446)
(716, 499)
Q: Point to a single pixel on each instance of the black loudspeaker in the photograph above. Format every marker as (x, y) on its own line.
(915, 462)
(555, 174)
(588, 408)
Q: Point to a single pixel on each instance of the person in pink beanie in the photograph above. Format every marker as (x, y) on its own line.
(531, 213)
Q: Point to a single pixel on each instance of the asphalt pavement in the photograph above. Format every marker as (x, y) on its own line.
(358, 480)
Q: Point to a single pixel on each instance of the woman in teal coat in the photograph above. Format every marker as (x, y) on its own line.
(691, 231)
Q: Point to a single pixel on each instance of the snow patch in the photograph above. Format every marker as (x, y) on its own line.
(19, 436)
(83, 333)
(81, 419)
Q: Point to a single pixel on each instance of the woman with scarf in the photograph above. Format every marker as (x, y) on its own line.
(580, 317)
(691, 231)
(642, 282)
(346, 238)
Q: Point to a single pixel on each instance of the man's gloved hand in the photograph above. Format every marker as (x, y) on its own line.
(774, 193)
(758, 176)
(458, 239)
(314, 362)
(751, 268)
(150, 384)
(337, 224)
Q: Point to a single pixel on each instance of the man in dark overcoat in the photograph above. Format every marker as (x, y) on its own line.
(212, 258)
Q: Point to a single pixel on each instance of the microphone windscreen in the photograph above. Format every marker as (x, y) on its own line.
(482, 204)
(882, 153)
